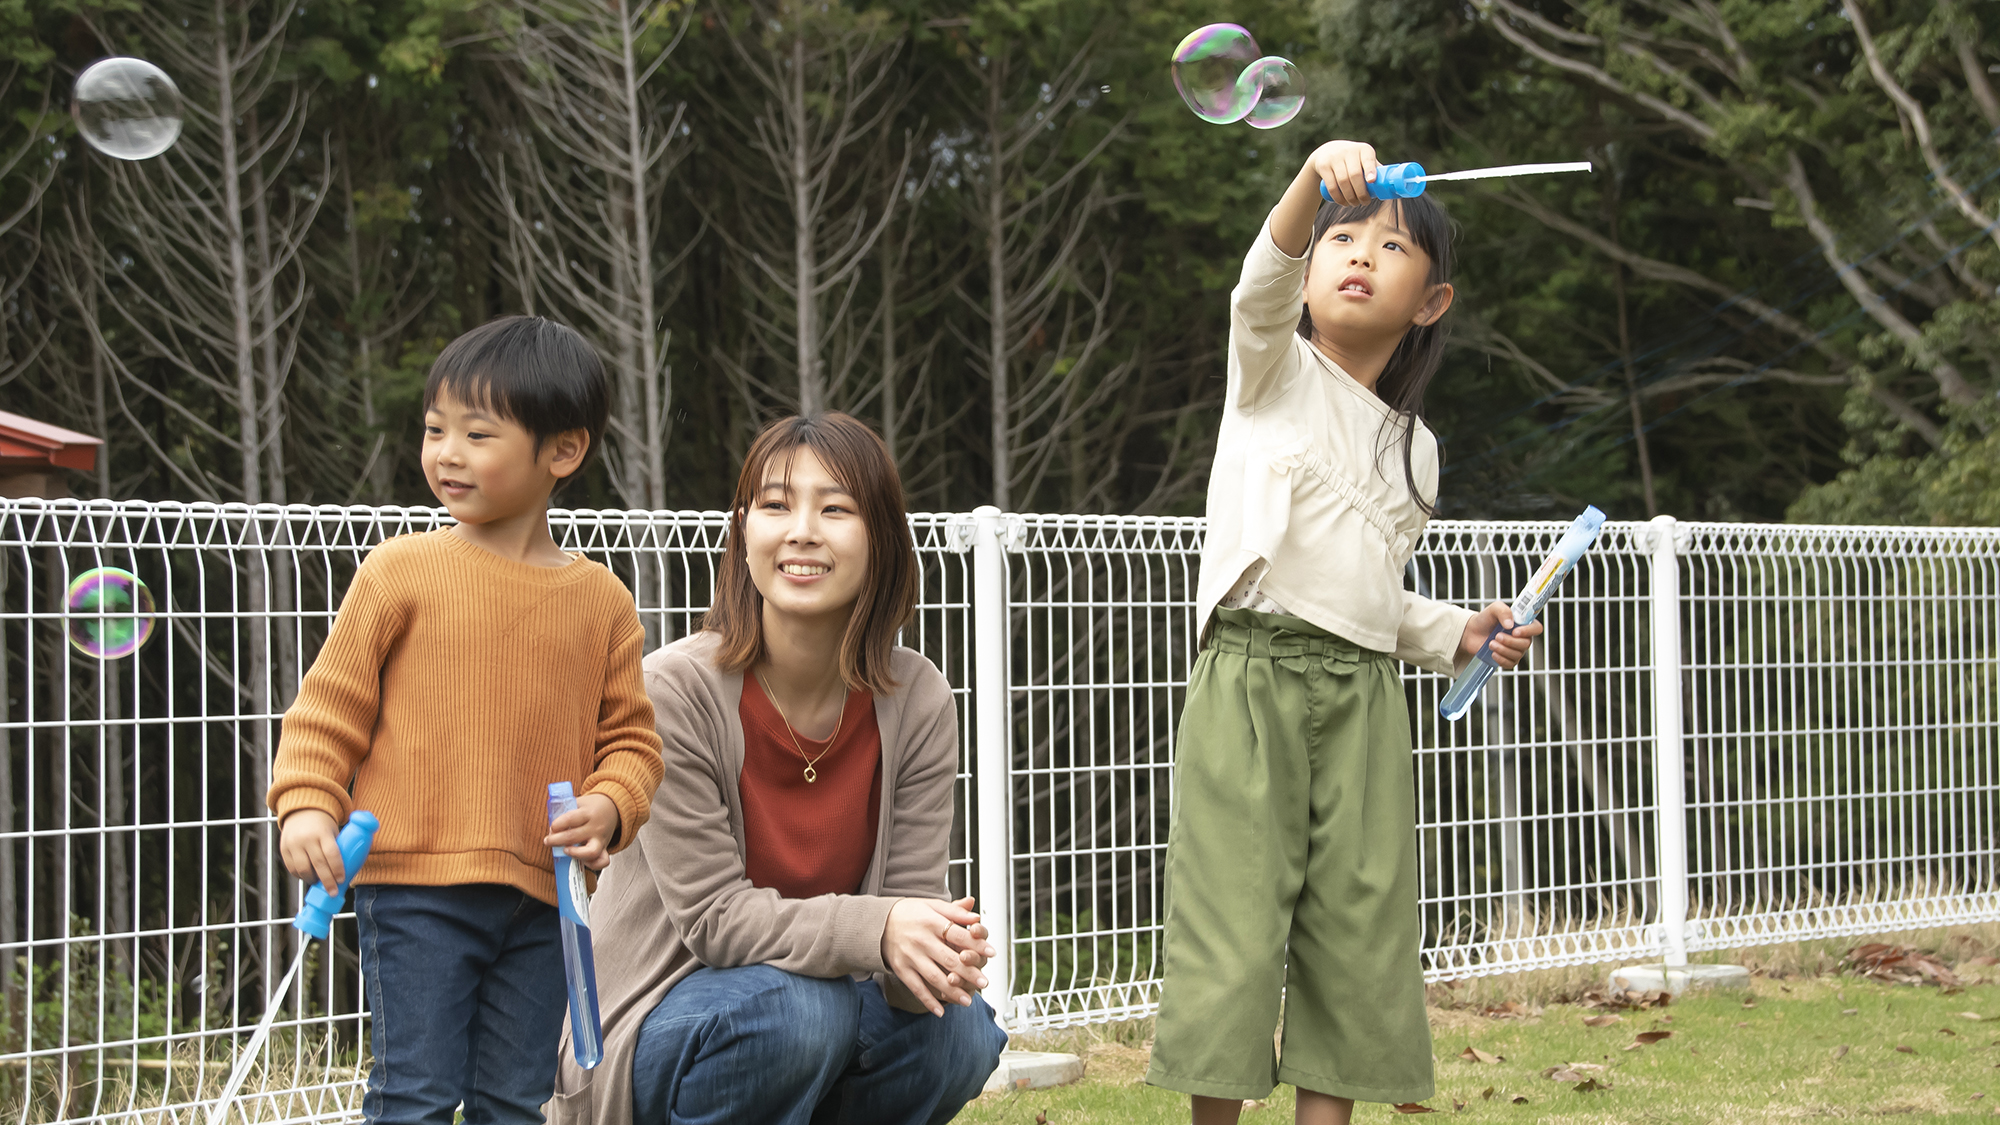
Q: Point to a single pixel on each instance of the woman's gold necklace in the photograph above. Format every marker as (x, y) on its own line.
(812, 774)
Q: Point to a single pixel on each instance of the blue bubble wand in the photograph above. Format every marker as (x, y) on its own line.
(586, 1033)
(1408, 179)
(314, 920)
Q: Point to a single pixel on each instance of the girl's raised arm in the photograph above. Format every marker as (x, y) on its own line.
(1345, 167)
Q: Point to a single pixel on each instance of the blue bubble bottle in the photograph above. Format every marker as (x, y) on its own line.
(586, 1033)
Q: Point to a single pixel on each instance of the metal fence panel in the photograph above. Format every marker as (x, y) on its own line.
(1841, 773)
(1844, 745)
(1534, 815)
(143, 911)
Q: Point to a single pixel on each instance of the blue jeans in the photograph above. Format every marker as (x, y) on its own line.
(760, 1046)
(466, 987)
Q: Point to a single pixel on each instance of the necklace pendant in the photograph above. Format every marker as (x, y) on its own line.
(812, 775)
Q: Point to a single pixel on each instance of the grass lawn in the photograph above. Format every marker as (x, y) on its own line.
(1795, 1046)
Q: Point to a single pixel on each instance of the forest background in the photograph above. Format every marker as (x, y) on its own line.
(990, 228)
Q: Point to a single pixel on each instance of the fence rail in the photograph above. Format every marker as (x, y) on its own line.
(1731, 735)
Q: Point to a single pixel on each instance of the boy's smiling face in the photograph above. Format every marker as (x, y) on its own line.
(485, 468)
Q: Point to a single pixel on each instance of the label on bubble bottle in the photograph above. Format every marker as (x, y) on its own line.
(575, 904)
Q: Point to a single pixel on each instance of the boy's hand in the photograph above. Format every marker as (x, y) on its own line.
(1345, 167)
(309, 843)
(585, 832)
(1509, 649)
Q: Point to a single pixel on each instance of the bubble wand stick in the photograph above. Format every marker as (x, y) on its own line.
(1527, 604)
(1408, 180)
(315, 920)
(586, 1033)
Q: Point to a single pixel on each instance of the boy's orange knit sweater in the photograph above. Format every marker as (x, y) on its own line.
(456, 685)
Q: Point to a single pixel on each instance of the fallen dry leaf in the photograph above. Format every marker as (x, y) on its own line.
(1411, 1107)
(1648, 1038)
(1977, 1096)
(1588, 1085)
(1973, 1016)
(1742, 1023)
(1980, 962)
(1511, 1010)
(1602, 1021)
(1474, 1054)
(1486, 1095)
(1562, 1074)
(1623, 1001)
(1850, 1011)
(1042, 1118)
(1947, 1031)
(1749, 1002)
(1840, 1052)
(1899, 964)
(1906, 1048)
(1457, 1106)
(1520, 1100)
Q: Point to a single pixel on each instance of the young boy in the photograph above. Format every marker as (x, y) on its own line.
(467, 669)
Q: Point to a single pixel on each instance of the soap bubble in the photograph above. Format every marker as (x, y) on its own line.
(1224, 77)
(110, 612)
(1207, 65)
(1282, 96)
(127, 108)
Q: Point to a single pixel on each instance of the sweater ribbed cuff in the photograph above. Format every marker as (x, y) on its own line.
(859, 923)
(309, 797)
(632, 810)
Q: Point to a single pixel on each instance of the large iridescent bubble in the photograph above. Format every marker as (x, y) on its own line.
(109, 612)
(127, 108)
(1223, 77)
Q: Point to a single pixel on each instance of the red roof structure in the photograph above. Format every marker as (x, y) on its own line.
(27, 446)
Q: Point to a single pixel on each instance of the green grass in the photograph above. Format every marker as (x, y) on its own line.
(1777, 1060)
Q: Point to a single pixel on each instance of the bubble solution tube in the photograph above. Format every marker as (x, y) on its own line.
(586, 1034)
(315, 920)
(1527, 605)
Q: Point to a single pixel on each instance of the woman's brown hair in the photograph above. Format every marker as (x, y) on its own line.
(855, 457)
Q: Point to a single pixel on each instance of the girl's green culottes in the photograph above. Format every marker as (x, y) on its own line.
(1292, 870)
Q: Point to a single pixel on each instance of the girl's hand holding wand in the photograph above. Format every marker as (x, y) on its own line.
(1345, 167)
(1509, 647)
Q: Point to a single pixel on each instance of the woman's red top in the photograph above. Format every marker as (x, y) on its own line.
(803, 838)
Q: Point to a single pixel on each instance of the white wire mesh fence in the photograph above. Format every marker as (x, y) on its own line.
(1841, 771)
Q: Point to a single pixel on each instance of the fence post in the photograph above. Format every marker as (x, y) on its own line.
(1669, 769)
(992, 756)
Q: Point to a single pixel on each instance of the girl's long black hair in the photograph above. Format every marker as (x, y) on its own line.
(1416, 358)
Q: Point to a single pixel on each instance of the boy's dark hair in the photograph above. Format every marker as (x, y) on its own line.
(1416, 359)
(532, 371)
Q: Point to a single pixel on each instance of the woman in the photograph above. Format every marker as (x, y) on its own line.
(775, 947)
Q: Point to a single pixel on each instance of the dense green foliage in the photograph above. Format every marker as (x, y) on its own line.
(1670, 334)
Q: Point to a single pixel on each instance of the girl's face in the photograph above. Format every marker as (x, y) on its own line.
(1369, 281)
(804, 539)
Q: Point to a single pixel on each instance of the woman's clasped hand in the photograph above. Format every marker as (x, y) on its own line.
(937, 950)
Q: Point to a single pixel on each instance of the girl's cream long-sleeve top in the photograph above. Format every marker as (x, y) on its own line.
(1308, 482)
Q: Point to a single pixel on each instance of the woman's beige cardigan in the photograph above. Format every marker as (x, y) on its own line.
(677, 899)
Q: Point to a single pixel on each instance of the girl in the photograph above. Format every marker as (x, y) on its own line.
(1291, 867)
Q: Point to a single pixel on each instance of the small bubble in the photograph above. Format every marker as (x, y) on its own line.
(127, 108)
(109, 611)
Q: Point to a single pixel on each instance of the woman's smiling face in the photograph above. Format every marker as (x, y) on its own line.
(804, 539)
(1369, 279)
